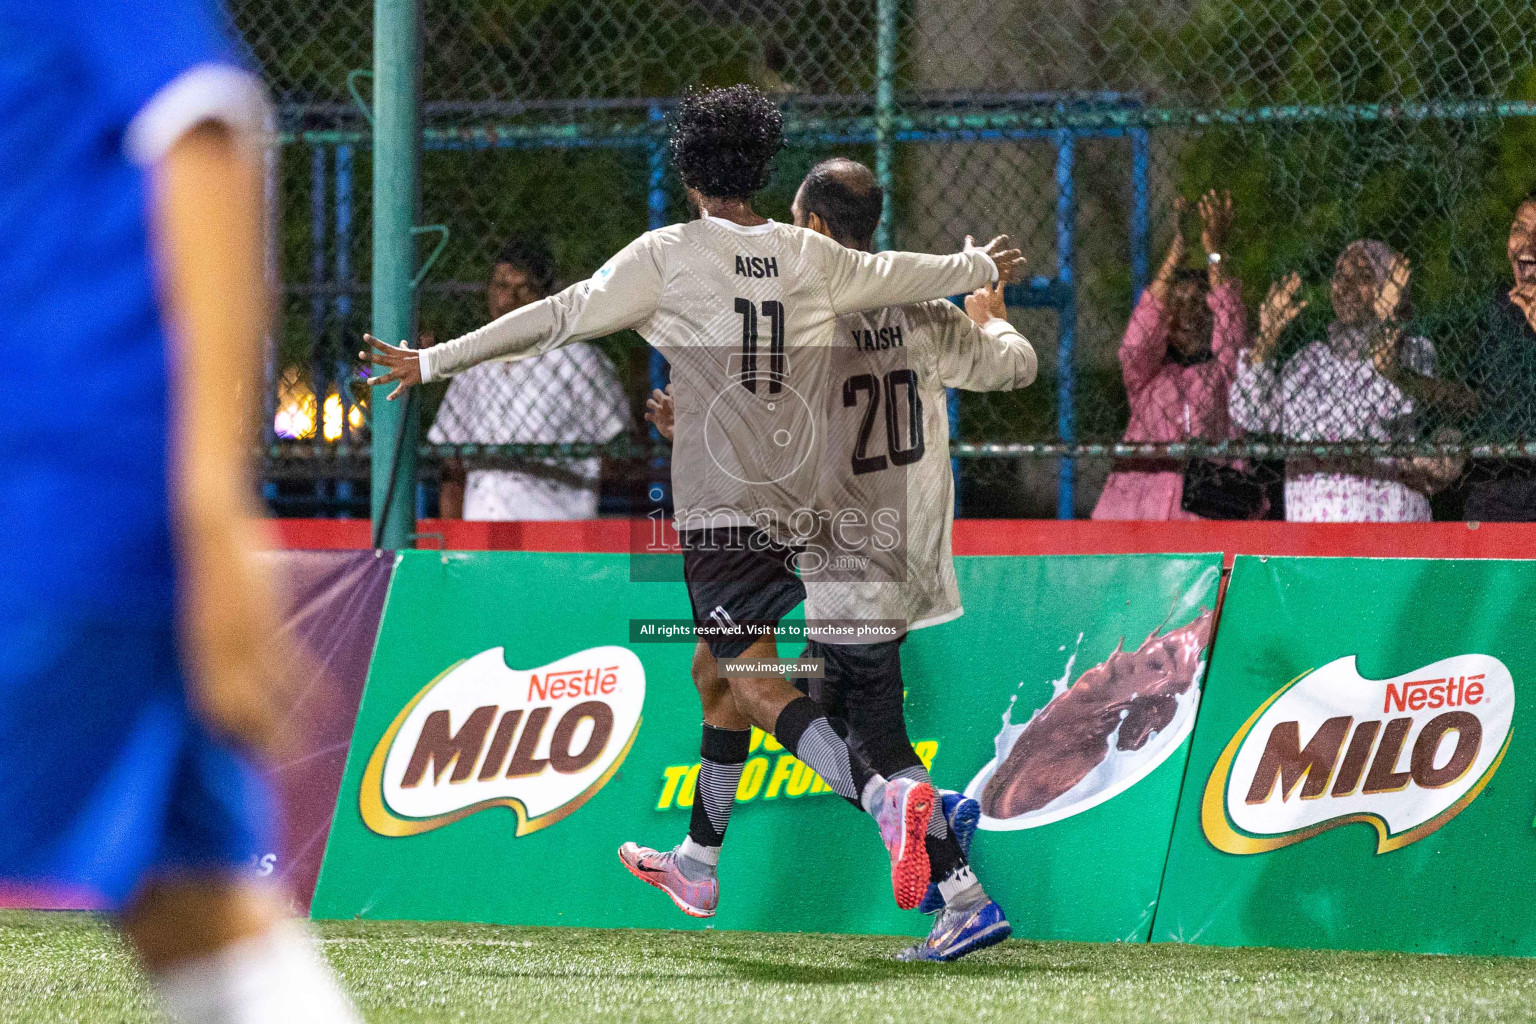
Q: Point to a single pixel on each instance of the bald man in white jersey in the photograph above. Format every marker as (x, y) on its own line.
(746, 310)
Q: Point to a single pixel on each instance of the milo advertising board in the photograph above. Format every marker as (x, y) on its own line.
(513, 734)
(1362, 774)
(423, 773)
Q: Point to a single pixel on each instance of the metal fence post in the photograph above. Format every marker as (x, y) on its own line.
(273, 210)
(1139, 220)
(318, 369)
(396, 193)
(343, 292)
(345, 374)
(885, 116)
(1066, 372)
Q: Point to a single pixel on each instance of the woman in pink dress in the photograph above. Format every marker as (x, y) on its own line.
(1178, 358)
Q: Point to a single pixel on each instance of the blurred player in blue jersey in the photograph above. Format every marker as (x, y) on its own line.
(134, 623)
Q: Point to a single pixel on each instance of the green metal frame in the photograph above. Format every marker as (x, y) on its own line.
(885, 117)
(396, 199)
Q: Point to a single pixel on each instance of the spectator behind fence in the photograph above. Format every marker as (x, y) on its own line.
(1178, 358)
(569, 395)
(1503, 373)
(1368, 380)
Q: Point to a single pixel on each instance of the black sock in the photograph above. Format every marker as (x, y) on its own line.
(951, 872)
(804, 731)
(944, 857)
(723, 752)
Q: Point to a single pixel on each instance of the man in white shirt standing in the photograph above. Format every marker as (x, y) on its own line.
(569, 395)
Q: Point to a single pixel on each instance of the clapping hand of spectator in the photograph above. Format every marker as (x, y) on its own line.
(1386, 306)
(1215, 228)
(986, 303)
(1384, 342)
(1430, 474)
(1523, 294)
(1177, 250)
(1280, 309)
(659, 411)
(1394, 289)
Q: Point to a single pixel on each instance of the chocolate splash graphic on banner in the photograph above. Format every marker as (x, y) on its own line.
(1117, 705)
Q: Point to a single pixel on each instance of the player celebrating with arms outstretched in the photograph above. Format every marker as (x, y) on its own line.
(746, 311)
(903, 473)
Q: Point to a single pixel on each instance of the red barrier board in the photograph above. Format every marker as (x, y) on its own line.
(988, 537)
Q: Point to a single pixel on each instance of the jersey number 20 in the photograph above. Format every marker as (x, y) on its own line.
(868, 383)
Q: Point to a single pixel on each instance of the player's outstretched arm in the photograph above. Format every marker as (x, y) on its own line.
(860, 281)
(623, 294)
(979, 350)
(207, 226)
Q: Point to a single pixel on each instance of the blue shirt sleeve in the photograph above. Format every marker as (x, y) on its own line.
(132, 49)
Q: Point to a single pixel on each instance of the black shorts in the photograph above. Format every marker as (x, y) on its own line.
(862, 693)
(739, 583)
(854, 668)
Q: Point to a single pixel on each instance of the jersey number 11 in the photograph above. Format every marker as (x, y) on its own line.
(774, 311)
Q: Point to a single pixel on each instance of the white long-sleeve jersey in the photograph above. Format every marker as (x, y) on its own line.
(887, 465)
(747, 316)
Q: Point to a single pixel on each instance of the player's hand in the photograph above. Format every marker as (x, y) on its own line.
(228, 627)
(403, 364)
(659, 411)
(986, 303)
(1010, 262)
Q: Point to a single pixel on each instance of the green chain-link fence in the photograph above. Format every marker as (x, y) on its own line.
(1071, 125)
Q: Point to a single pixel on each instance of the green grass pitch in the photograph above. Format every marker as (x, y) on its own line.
(70, 967)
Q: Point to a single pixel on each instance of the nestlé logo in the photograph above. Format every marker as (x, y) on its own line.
(1404, 755)
(540, 742)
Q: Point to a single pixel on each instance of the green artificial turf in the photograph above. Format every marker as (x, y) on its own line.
(70, 967)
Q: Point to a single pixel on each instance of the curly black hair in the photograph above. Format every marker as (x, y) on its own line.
(724, 140)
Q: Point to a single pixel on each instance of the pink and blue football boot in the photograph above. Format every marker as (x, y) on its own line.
(903, 821)
(696, 898)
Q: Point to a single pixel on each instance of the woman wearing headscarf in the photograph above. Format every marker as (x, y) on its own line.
(1177, 359)
(1367, 380)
